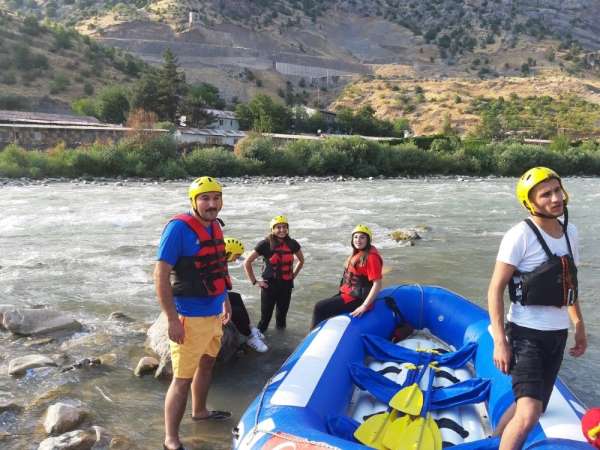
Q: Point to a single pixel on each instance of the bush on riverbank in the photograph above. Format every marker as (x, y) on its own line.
(256, 155)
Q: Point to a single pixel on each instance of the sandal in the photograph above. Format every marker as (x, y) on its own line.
(214, 415)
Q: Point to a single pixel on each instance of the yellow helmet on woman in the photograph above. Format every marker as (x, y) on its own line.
(360, 228)
(233, 247)
(532, 178)
(278, 220)
(202, 185)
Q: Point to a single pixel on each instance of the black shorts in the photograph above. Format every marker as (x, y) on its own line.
(536, 359)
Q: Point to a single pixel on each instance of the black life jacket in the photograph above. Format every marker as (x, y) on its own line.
(552, 283)
(205, 273)
(280, 264)
(353, 283)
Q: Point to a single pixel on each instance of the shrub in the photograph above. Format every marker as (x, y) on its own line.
(254, 146)
(59, 83)
(217, 161)
(14, 102)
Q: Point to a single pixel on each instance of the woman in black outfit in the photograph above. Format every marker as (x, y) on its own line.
(278, 250)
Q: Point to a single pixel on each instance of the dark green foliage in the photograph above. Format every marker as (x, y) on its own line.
(25, 59)
(364, 122)
(14, 102)
(541, 117)
(157, 157)
(31, 26)
(198, 98)
(88, 88)
(144, 94)
(85, 107)
(63, 38)
(112, 105)
(59, 83)
(170, 87)
(264, 115)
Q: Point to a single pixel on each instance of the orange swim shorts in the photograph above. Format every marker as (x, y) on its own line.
(202, 337)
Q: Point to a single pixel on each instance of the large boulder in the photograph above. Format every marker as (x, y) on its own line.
(62, 417)
(38, 321)
(157, 340)
(405, 234)
(74, 440)
(19, 366)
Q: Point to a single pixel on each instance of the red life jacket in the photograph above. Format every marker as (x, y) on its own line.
(205, 273)
(280, 265)
(355, 284)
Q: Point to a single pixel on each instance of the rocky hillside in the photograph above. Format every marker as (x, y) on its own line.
(309, 50)
(44, 67)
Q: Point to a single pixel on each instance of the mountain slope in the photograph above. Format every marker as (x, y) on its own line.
(43, 68)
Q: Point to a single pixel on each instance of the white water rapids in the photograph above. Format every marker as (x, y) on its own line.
(88, 250)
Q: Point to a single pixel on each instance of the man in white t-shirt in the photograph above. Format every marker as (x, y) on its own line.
(530, 347)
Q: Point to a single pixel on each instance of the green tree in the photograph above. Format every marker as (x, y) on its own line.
(400, 126)
(199, 97)
(207, 95)
(62, 38)
(84, 107)
(171, 87)
(112, 105)
(264, 115)
(144, 94)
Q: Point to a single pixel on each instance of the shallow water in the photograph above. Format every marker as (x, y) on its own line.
(88, 249)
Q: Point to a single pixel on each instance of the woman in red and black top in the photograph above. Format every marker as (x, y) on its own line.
(360, 283)
(278, 251)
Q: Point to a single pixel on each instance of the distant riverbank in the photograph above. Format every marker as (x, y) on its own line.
(158, 158)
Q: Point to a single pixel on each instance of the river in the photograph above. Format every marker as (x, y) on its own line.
(88, 249)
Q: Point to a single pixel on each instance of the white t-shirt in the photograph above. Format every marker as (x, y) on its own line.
(521, 248)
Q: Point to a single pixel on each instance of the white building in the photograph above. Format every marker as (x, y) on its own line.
(224, 120)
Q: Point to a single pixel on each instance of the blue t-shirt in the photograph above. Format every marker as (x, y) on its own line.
(177, 240)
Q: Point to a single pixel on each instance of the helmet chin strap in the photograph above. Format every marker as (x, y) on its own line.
(547, 216)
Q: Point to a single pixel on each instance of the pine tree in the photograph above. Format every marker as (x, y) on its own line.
(171, 87)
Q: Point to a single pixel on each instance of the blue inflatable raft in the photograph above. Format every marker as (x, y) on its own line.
(346, 370)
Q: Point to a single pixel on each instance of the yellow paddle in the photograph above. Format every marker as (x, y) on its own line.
(409, 400)
(394, 432)
(418, 436)
(372, 430)
(421, 433)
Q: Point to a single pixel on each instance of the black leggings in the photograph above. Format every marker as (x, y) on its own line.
(239, 313)
(278, 294)
(330, 307)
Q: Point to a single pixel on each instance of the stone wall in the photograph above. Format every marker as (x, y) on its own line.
(43, 137)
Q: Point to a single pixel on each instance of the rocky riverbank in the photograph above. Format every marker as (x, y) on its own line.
(46, 347)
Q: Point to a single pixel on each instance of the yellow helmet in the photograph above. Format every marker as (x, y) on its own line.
(363, 229)
(277, 220)
(532, 178)
(233, 247)
(202, 185)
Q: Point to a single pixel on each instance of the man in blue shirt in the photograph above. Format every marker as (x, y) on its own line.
(196, 303)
